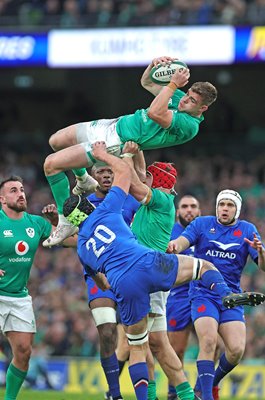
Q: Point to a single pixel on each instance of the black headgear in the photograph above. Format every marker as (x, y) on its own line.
(77, 208)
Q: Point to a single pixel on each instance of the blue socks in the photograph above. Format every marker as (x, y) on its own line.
(111, 369)
(172, 390)
(197, 387)
(139, 377)
(214, 281)
(206, 376)
(222, 370)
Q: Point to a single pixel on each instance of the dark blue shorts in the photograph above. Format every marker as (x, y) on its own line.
(210, 307)
(178, 310)
(93, 292)
(150, 274)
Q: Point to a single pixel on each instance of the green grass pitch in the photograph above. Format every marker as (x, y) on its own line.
(54, 395)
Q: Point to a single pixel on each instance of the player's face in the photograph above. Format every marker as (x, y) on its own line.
(104, 176)
(226, 211)
(188, 210)
(148, 179)
(191, 103)
(13, 196)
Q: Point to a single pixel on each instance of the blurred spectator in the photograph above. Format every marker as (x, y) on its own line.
(103, 13)
(255, 14)
(71, 16)
(64, 321)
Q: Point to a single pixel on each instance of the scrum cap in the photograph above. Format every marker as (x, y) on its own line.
(164, 174)
(230, 195)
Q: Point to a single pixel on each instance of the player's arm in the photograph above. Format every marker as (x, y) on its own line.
(138, 159)
(121, 170)
(256, 243)
(101, 281)
(178, 245)
(138, 189)
(146, 81)
(158, 110)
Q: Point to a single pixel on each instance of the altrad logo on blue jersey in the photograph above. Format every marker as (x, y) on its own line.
(224, 247)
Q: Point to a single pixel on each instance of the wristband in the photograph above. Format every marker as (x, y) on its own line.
(127, 155)
(147, 197)
(172, 86)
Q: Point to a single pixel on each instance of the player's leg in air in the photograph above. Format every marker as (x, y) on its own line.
(72, 146)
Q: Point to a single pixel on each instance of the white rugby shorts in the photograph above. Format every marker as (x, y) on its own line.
(104, 130)
(16, 314)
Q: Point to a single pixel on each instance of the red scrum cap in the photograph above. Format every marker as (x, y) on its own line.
(164, 174)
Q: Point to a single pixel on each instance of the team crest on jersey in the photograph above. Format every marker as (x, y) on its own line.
(212, 230)
(21, 248)
(30, 232)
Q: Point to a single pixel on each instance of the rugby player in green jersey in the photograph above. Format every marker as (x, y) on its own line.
(172, 118)
(20, 235)
(152, 226)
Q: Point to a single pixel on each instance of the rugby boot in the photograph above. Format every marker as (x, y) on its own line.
(243, 299)
(216, 393)
(85, 186)
(62, 232)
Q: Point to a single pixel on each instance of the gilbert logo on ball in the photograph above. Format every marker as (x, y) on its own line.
(162, 73)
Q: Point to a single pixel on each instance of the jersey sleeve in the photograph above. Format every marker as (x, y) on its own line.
(159, 201)
(44, 226)
(87, 270)
(184, 126)
(191, 233)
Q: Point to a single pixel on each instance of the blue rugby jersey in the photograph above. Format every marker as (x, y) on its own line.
(105, 242)
(222, 245)
(130, 206)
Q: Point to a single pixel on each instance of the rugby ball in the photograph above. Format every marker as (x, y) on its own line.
(161, 74)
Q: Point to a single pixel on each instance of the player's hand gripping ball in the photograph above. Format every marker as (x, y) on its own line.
(161, 74)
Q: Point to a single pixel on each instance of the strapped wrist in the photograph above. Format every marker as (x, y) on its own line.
(127, 155)
(172, 86)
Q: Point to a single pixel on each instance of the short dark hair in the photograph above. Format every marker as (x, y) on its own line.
(12, 178)
(206, 90)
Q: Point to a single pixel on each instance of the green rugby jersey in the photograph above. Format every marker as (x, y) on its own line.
(153, 223)
(19, 240)
(141, 129)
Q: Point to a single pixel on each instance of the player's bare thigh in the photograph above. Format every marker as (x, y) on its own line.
(63, 160)
(63, 138)
(191, 268)
(185, 269)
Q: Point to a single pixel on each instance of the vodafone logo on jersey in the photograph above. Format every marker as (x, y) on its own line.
(21, 248)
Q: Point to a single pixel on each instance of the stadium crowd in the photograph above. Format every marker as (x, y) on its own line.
(64, 322)
(104, 13)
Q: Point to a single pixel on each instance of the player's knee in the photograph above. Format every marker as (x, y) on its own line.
(235, 352)
(54, 141)
(48, 165)
(23, 352)
(108, 336)
(206, 266)
(138, 339)
(208, 344)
